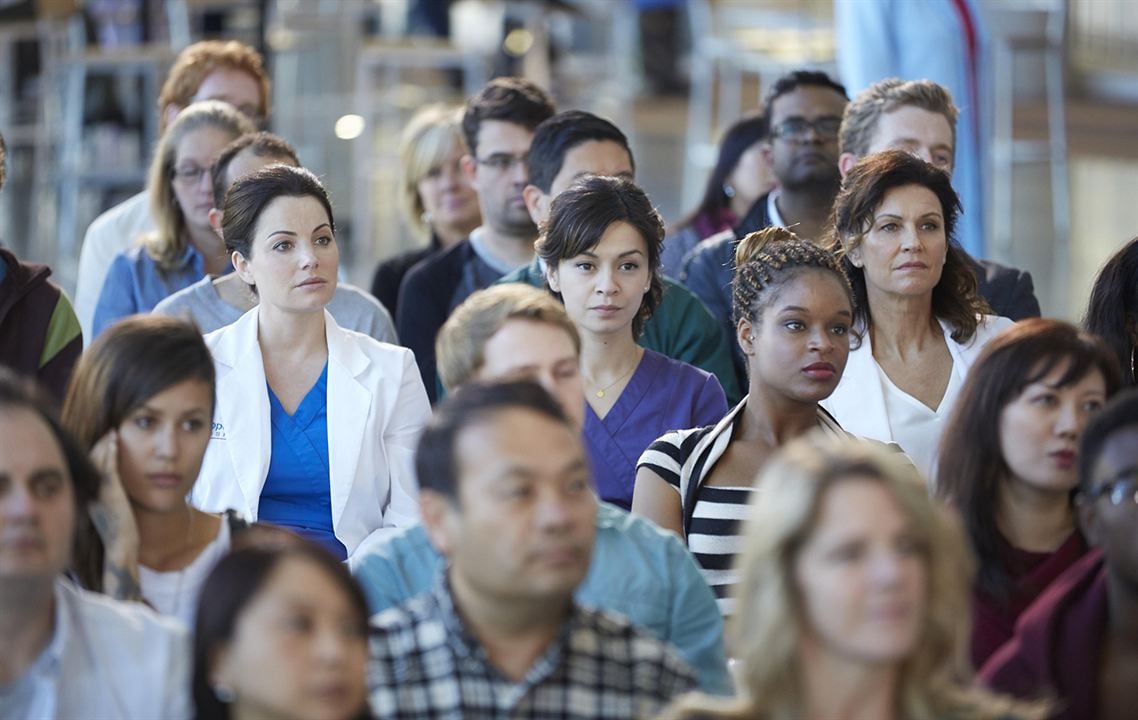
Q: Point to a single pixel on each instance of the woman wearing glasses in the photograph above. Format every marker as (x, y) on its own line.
(1009, 463)
(184, 248)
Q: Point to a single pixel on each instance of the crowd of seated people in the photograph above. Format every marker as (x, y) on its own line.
(801, 457)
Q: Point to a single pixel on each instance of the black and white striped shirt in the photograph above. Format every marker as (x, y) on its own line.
(714, 535)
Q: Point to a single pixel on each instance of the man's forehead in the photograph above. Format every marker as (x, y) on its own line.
(807, 101)
(1119, 452)
(503, 136)
(911, 123)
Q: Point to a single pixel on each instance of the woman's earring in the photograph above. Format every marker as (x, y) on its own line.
(728, 190)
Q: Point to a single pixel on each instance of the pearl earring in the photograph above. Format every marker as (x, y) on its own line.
(728, 190)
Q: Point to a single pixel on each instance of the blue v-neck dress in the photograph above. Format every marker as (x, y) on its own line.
(298, 490)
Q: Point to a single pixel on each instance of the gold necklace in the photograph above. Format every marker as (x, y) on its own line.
(601, 393)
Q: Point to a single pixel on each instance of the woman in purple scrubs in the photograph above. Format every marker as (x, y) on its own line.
(601, 248)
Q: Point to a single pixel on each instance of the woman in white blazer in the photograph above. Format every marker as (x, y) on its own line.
(918, 313)
(315, 427)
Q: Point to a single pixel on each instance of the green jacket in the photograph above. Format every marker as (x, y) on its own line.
(681, 328)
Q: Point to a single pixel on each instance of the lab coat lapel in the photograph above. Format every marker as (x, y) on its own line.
(349, 404)
(863, 396)
(243, 385)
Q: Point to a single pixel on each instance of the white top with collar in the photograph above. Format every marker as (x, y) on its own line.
(106, 659)
(866, 402)
(376, 409)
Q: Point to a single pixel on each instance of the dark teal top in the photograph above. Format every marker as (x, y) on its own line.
(298, 490)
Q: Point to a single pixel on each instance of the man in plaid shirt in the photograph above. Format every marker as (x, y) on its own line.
(506, 497)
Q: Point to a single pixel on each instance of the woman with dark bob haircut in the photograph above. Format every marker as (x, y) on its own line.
(918, 312)
(282, 633)
(601, 248)
(1009, 464)
(141, 403)
(1112, 313)
(315, 426)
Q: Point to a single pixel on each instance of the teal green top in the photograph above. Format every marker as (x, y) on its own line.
(681, 328)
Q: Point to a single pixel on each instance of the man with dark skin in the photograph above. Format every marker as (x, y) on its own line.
(804, 109)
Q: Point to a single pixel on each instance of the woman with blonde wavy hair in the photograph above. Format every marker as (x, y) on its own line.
(184, 248)
(853, 596)
(437, 201)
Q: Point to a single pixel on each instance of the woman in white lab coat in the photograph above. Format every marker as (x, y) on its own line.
(315, 427)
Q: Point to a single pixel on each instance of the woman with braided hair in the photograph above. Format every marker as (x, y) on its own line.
(793, 309)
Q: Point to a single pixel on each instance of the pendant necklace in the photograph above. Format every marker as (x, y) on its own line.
(601, 393)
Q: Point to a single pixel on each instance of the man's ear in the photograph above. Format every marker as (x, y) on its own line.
(845, 162)
(1088, 522)
(215, 221)
(170, 112)
(437, 513)
(766, 152)
(469, 168)
(537, 203)
(745, 336)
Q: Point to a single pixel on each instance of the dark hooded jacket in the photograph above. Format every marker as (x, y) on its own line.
(39, 333)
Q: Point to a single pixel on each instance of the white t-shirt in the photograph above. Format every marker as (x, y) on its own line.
(176, 593)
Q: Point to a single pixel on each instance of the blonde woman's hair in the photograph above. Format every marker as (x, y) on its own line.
(166, 245)
(765, 632)
(461, 344)
(430, 138)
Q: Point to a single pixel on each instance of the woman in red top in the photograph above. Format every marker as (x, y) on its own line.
(1008, 463)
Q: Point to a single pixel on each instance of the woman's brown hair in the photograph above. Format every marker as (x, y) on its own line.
(972, 466)
(955, 297)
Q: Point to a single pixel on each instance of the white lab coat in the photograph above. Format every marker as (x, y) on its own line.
(376, 408)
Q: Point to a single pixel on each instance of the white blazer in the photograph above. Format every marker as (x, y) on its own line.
(376, 408)
(858, 403)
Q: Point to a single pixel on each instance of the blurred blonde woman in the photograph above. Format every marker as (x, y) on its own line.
(853, 596)
(184, 248)
(438, 202)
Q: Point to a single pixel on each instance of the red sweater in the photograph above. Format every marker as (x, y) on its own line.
(994, 620)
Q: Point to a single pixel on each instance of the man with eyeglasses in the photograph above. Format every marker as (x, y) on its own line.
(498, 125)
(1078, 643)
(804, 109)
